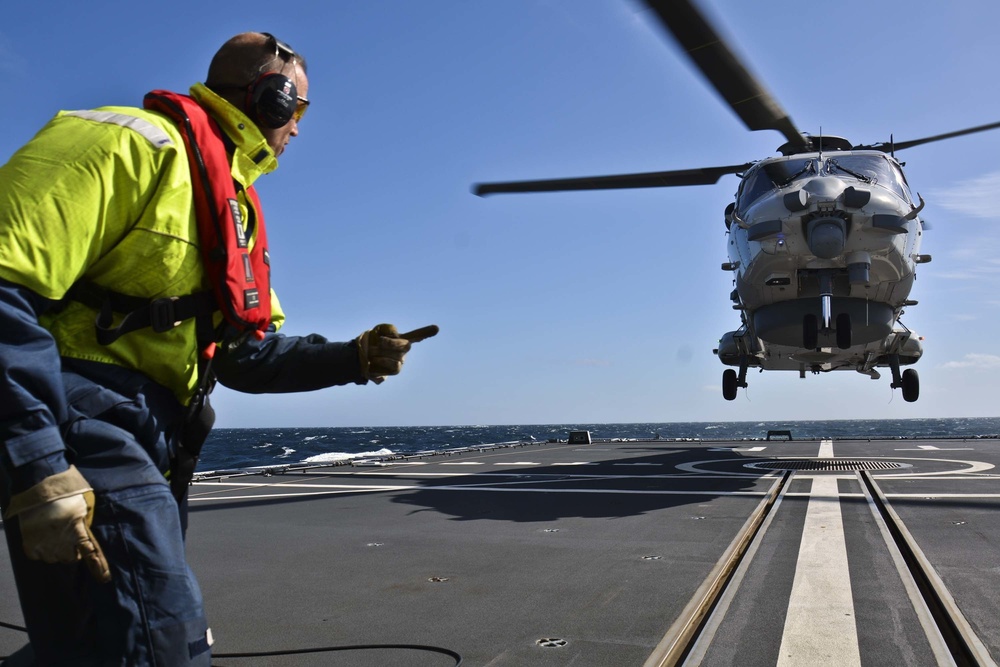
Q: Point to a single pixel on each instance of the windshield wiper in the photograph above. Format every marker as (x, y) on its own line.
(861, 177)
(808, 166)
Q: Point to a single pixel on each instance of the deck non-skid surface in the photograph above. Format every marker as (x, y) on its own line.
(558, 554)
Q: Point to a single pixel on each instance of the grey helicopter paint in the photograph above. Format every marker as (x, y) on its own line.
(823, 241)
(824, 248)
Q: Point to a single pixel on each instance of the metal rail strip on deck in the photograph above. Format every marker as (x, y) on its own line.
(948, 631)
(684, 632)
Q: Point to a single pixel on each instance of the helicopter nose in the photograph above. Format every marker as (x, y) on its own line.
(826, 236)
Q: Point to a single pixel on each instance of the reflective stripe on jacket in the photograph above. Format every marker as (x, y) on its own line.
(105, 196)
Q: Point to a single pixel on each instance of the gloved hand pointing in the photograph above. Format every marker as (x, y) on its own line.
(55, 517)
(382, 349)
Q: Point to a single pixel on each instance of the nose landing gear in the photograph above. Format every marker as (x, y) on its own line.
(811, 325)
(811, 331)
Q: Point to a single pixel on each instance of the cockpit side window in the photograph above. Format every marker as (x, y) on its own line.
(768, 176)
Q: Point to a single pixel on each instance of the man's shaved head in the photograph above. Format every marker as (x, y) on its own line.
(245, 57)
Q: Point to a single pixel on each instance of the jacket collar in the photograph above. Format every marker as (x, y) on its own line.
(252, 157)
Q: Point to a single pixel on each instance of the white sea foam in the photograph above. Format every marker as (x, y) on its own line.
(344, 456)
(285, 453)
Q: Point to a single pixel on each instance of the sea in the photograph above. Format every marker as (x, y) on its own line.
(239, 448)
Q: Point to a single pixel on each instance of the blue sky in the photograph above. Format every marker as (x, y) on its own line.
(570, 307)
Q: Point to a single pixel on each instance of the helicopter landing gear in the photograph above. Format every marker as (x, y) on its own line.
(843, 331)
(909, 381)
(810, 332)
(911, 385)
(826, 296)
(731, 382)
(811, 326)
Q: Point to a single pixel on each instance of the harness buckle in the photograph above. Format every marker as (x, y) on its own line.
(162, 314)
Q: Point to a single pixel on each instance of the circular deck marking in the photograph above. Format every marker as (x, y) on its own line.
(828, 464)
(719, 466)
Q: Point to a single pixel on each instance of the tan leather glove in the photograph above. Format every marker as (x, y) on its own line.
(55, 517)
(382, 349)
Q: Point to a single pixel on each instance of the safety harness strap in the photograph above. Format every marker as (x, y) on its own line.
(160, 315)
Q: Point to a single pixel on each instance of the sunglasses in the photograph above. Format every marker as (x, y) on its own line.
(300, 108)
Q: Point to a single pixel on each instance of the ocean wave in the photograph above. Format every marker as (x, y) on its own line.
(237, 448)
(344, 456)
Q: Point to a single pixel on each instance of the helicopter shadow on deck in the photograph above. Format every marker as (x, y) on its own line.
(611, 488)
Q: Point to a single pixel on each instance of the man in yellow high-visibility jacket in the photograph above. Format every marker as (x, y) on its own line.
(97, 220)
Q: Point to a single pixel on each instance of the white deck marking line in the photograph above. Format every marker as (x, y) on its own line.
(925, 448)
(262, 496)
(820, 626)
(351, 488)
(826, 449)
(540, 476)
(464, 463)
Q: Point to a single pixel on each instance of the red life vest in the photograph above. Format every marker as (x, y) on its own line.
(240, 277)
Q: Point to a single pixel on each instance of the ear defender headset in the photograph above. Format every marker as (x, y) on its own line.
(272, 98)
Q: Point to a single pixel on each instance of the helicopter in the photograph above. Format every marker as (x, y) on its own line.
(823, 240)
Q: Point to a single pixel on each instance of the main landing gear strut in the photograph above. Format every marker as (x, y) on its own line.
(908, 380)
(731, 382)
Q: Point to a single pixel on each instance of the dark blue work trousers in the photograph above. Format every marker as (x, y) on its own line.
(119, 436)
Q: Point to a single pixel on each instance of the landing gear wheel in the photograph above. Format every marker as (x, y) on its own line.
(911, 385)
(843, 331)
(810, 332)
(729, 384)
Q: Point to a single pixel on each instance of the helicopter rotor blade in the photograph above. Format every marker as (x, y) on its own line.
(651, 179)
(747, 97)
(900, 145)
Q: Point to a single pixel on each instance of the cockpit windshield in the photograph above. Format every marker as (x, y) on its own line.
(771, 175)
(870, 169)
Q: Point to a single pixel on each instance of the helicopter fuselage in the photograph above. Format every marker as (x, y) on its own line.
(824, 248)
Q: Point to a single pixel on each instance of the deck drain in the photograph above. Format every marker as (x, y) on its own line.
(827, 464)
(437, 580)
(551, 642)
(652, 557)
